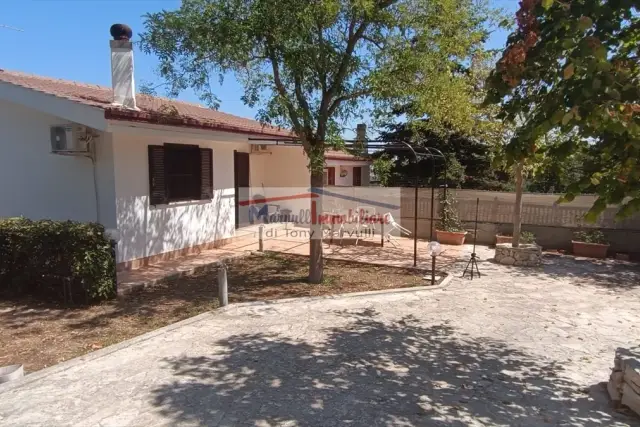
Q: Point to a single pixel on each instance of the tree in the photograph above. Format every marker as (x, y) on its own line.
(572, 68)
(556, 173)
(469, 158)
(311, 65)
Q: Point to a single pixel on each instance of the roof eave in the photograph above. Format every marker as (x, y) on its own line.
(179, 122)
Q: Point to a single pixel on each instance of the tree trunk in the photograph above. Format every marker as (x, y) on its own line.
(517, 212)
(315, 242)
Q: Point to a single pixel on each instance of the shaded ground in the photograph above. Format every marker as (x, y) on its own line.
(40, 335)
(518, 346)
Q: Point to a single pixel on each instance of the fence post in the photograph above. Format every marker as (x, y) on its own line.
(260, 237)
(223, 296)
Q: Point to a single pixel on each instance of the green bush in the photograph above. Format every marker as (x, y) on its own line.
(527, 237)
(590, 236)
(61, 260)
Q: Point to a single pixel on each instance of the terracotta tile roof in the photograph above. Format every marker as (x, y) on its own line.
(341, 155)
(152, 109)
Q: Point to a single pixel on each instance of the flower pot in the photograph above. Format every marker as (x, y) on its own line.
(590, 250)
(450, 237)
(503, 239)
(11, 372)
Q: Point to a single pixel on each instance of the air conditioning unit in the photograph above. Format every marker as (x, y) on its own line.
(70, 139)
(260, 149)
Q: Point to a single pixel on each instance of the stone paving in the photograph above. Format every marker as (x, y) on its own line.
(520, 346)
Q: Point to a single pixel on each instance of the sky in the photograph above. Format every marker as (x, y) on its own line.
(70, 40)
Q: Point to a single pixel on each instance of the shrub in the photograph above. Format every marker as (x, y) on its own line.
(590, 236)
(56, 259)
(449, 220)
(527, 237)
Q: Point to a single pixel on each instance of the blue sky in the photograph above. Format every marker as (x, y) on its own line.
(70, 40)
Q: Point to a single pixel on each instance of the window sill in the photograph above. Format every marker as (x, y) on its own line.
(181, 203)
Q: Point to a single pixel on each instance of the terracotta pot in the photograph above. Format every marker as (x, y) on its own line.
(450, 237)
(503, 239)
(590, 250)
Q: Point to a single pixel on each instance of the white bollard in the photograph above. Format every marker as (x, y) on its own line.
(223, 296)
(260, 238)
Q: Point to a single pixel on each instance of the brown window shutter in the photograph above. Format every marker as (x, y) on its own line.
(157, 180)
(206, 174)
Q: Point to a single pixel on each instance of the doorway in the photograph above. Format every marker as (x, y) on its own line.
(241, 186)
(357, 176)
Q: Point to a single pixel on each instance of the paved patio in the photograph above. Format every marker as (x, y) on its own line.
(295, 240)
(519, 346)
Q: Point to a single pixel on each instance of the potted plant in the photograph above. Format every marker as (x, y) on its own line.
(503, 238)
(590, 243)
(526, 237)
(449, 230)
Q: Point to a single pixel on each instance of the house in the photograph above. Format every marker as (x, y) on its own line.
(345, 170)
(164, 177)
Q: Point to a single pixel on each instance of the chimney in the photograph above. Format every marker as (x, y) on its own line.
(124, 90)
(361, 137)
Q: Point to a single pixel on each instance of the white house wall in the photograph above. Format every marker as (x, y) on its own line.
(285, 173)
(286, 167)
(40, 185)
(150, 230)
(345, 181)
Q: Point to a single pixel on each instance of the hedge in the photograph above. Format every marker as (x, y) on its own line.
(60, 260)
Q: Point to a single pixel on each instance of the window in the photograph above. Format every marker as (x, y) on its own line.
(179, 172)
(325, 178)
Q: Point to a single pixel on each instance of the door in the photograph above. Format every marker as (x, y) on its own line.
(241, 184)
(331, 178)
(357, 176)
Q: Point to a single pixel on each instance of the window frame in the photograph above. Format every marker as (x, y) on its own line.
(196, 175)
(197, 169)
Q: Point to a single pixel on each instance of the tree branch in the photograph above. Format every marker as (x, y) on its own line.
(327, 97)
(304, 105)
(321, 66)
(277, 80)
(373, 42)
(354, 37)
(353, 95)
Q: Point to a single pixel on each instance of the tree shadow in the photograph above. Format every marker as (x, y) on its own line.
(605, 273)
(373, 372)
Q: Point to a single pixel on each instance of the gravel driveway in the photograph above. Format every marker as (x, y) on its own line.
(516, 347)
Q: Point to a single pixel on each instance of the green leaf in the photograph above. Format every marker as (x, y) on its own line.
(600, 52)
(615, 94)
(567, 198)
(591, 216)
(557, 117)
(598, 207)
(628, 209)
(569, 71)
(547, 4)
(585, 23)
(567, 118)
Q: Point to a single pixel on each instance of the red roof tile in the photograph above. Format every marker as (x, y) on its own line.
(152, 109)
(341, 155)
